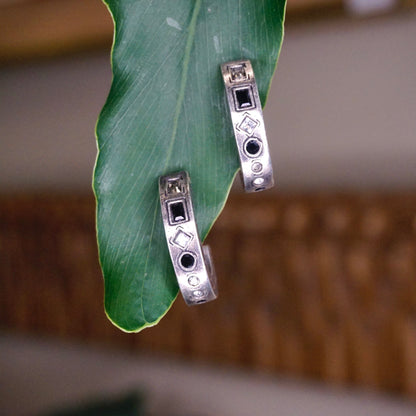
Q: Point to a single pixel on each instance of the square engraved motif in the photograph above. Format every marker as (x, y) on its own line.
(177, 211)
(248, 125)
(181, 239)
(238, 73)
(174, 186)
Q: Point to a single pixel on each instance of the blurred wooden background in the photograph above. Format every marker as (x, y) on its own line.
(33, 29)
(321, 286)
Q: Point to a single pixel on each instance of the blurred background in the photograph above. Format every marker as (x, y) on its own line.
(317, 313)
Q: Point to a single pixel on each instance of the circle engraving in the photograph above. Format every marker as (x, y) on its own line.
(256, 167)
(252, 146)
(187, 261)
(193, 281)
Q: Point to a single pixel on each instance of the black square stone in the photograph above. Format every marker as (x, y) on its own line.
(177, 211)
(243, 98)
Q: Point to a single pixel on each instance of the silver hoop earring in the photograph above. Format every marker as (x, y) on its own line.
(248, 124)
(191, 261)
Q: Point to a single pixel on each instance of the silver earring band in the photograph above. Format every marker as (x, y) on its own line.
(191, 261)
(247, 119)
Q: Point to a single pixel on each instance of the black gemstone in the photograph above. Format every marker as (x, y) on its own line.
(252, 147)
(187, 260)
(177, 211)
(243, 98)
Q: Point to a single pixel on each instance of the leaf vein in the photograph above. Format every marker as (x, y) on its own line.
(181, 95)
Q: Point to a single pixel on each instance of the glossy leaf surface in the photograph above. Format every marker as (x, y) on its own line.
(166, 111)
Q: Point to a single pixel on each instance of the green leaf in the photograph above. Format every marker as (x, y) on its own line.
(166, 111)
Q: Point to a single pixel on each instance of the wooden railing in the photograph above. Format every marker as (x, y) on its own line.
(316, 286)
(33, 29)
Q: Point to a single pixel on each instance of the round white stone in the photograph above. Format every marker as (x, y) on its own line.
(193, 281)
(258, 181)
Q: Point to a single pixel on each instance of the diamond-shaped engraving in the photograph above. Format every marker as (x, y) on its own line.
(181, 239)
(248, 125)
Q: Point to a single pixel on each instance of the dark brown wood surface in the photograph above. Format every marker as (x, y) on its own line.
(321, 286)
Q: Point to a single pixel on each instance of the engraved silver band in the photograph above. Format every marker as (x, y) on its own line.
(247, 118)
(191, 261)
